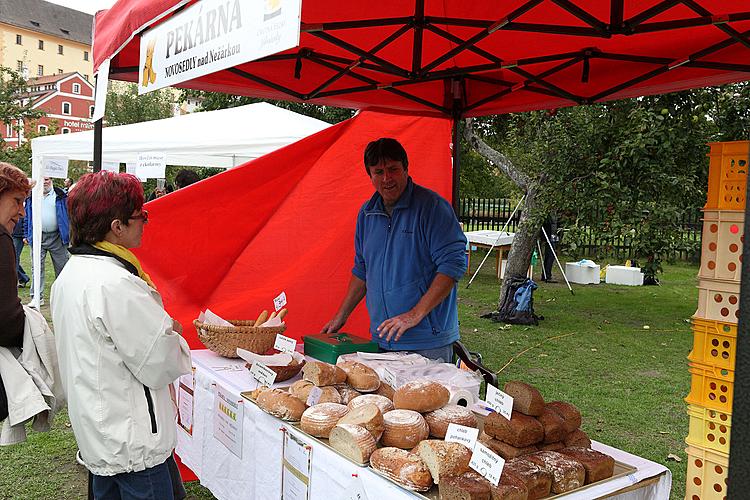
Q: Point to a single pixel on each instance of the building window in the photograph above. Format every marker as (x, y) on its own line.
(66, 108)
(40, 70)
(59, 71)
(42, 129)
(60, 49)
(41, 44)
(8, 130)
(85, 55)
(65, 130)
(91, 111)
(76, 88)
(19, 66)
(19, 40)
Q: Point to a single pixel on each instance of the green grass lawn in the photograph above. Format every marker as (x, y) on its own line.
(621, 358)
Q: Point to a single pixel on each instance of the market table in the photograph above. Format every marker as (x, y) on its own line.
(256, 473)
(487, 239)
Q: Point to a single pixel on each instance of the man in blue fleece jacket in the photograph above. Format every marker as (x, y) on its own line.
(409, 255)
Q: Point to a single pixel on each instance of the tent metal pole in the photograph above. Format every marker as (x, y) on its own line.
(98, 145)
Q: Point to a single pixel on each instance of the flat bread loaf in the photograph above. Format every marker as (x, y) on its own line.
(407, 469)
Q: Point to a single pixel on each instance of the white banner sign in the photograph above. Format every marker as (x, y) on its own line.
(228, 417)
(212, 35)
(111, 166)
(55, 167)
(151, 166)
(102, 82)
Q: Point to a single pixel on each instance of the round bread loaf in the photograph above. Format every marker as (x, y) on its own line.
(347, 393)
(361, 377)
(322, 374)
(404, 429)
(301, 389)
(421, 395)
(318, 420)
(385, 390)
(381, 402)
(353, 441)
(367, 416)
(439, 419)
(405, 468)
(281, 404)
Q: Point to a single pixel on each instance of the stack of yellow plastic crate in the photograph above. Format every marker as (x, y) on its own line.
(711, 362)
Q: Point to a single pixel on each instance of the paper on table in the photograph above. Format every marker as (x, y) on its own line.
(275, 321)
(281, 359)
(212, 318)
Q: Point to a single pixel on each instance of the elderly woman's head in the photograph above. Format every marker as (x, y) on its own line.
(107, 206)
(14, 189)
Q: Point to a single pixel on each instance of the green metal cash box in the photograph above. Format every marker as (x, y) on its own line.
(329, 346)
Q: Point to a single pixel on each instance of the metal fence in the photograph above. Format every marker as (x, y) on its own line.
(493, 213)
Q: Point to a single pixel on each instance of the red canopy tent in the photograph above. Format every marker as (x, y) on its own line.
(456, 58)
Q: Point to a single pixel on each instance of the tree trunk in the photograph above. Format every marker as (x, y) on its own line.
(526, 235)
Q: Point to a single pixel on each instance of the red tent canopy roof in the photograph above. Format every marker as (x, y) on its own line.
(460, 58)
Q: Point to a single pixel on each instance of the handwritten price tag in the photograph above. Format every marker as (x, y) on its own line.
(280, 301)
(487, 463)
(263, 374)
(284, 343)
(389, 377)
(462, 434)
(499, 401)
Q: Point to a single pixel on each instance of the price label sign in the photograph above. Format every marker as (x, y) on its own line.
(263, 374)
(389, 377)
(487, 463)
(280, 301)
(461, 434)
(284, 343)
(314, 397)
(499, 401)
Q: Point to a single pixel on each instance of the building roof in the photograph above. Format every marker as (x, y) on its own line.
(41, 80)
(47, 18)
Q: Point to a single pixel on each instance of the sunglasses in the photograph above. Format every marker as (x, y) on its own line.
(143, 216)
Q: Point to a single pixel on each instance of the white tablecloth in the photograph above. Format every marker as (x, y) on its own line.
(257, 475)
(489, 237)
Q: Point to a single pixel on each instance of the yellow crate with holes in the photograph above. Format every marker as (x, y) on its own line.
(721, 245)
(711, 387)
(709, 429)
(727, 175)
(714, 343)
(718, 300)
(707, 474)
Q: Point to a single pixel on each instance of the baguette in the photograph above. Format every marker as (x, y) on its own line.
(262, 317)
(407, 469)
(352, 441)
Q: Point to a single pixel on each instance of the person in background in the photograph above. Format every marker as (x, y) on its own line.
(67, 183)
(409, 255)
(118, 349)
(14, 189)
(185, 177)
(550, 228)
(55, 231)
(19, 235)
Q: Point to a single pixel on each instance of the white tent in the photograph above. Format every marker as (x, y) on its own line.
(222, 138)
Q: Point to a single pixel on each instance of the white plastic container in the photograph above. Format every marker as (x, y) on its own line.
(623, 275)
(583, 274)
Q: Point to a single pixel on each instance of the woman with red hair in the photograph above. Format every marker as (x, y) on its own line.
(119, 351)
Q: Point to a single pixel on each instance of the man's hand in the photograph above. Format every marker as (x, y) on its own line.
(333, 326)
(176, 326)
(394, 327)
(25, 241)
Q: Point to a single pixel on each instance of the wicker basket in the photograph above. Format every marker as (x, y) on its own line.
(224, 340)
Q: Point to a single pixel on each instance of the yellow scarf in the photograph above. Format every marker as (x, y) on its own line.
(126, 254)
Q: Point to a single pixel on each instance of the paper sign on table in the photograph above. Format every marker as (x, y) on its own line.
(389, 377)
(151, 165)
(296, 465)
(499, 401)
(284, 343)
(487, 463)
(314, 397)
(462, 434)
(228, 418)
(55, 167)
(185, 402)
(263, 374)
(355, 490)
(279, 302)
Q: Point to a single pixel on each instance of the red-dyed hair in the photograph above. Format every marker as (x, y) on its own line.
(97, 200)
(13, 179)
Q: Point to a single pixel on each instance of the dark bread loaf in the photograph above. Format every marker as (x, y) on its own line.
(554, 426)
(598, 465)
(526, 398)
(538, 481)
(407, 469)
(505, 450)
(464, 487)
(552, 446)
(569, 413)
(578, 439)
(567, 474)
(520, 431)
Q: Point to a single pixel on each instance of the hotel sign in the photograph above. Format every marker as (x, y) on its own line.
(212, 35)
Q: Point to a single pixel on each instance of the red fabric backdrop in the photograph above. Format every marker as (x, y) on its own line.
(283, 222)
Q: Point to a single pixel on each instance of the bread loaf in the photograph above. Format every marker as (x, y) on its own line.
(567, 474)
(352, 441)
(510, 487)
(368, 416)
(439, 419)
(444, 458)
(322, 374)
(421, 395)
(404, 429)
(552, 446)
(598, 466)
(407, 469)
(578, 439)
(385, 390)
(318, 420)
(281, 404)
(520, 431)
(361, 377)
(505, 450)
(526, 398)
(569, 413)
(346, 393)
(554, 426)
(381, 402)
(538, 481)
(301, 389)
(465, 487)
